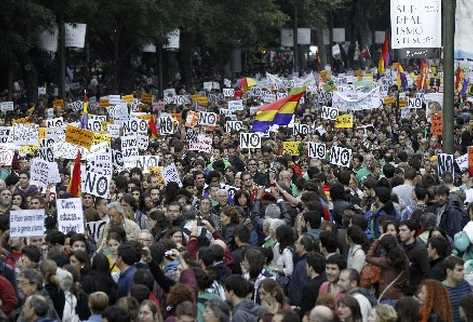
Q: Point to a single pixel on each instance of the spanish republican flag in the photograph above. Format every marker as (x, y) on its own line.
(279, 112)
(246, 83)
(74, 184)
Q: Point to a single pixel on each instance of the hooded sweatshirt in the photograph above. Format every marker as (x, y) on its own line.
(247, 311)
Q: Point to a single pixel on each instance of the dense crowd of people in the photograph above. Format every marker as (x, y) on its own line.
(255, 235)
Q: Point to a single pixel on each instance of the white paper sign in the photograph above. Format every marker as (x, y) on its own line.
(228, 92)
(55, 122)
(144, 162)
(462, 162)
(208, 118)
(70, 216)
(317, 150)
(95, 229)
(6, 135)
(96, 184)
(416, 24)
(7, 106)
(6, 157)
(201, 143)
(165, 124)
(27, 223)
(96, 123)
(170, 174)
(250, 141)
(340, 156)
(235, 105)
(118, 112)
(39, 172)
(445, 164)
(233, 126)
(25, 134)
(329, 113)
(301, 129)
(134, 126)
(75, 35)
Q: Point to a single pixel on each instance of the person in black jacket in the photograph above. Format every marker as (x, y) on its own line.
(316, 273)
(450, 214)
(438, 249)
(419, 266)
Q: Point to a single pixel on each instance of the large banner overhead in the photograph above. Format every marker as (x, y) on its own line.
(416, 24)
(463, 34)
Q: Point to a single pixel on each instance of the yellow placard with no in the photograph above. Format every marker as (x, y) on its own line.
(80, 137)
(291, 148)
(344, 121)
(128, 99)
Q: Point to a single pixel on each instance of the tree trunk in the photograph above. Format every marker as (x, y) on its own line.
(187, 42)
(116, 62)
(61, 53)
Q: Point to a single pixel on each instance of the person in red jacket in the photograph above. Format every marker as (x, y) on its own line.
(7, 296)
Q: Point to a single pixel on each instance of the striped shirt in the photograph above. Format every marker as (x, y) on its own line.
(456, 294)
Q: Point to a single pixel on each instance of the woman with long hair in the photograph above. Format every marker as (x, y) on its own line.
(358, 245)
(348, 309)
(394, 266)
(115, 237)
(253, 268)
(407, 309)
(100, 279)
(283, 251)
(230, 219)
(272, 298)
(434, 301)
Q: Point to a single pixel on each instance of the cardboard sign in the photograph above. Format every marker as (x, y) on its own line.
(27, 223)
(55, 122)
(6, 135)
(317, 151)
(416, 25)
(70, 216)
(170, 174)
(201, 143)
(25, 134)
(250, 141)
(329, 113)
(344, 121)
(7, 106)
(233, 126)
(291, 148)
(236, 105)
(228, 92)
(80, 137)
(340, 156)
(208, 119)
(445, 163)
(95, 229)
(165, 124)
(437, 124)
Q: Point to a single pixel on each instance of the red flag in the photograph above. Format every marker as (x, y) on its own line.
(385, 53)
(74, 184)
(152, 126)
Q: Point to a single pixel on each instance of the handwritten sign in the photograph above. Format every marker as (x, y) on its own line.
(27, 223)
(437, 124)
(201, 143)
(416, 24)
(344, 121)
(291, 148)
(80, 137)
(70, 216)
